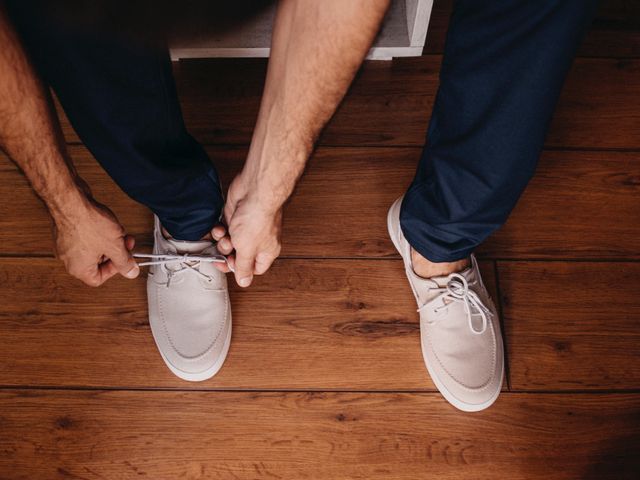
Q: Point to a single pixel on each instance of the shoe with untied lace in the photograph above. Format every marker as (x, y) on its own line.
(459, 329)
(189, 310)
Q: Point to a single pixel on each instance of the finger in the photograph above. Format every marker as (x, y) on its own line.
(231, 261)
(263, 263)
(129, 242)
(218, 232)
(123, 262)
(86, 274)
(96, 275)
(223, 267)
(225, 246)
(244, 268)
(106, 270)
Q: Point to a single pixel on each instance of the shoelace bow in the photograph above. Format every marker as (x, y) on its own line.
(184, 262)
(457, 290)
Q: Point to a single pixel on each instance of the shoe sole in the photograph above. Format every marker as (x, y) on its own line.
(206, 374)
(450, 397)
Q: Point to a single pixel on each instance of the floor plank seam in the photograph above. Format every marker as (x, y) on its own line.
(411, 146)
(102, 388)
(507, 371)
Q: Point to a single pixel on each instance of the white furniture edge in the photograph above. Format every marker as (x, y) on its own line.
(418, 27)
(376, 53)
(416, 12)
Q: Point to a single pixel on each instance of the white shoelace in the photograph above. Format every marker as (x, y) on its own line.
(457, 290)
(181, 263)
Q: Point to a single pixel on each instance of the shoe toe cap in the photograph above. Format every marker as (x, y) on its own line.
(192, 336)
(468, 370)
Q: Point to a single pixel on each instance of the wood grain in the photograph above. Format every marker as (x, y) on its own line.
(223, 435)
(571, 325)
(390, 103)
(615, 32)
(325, 379)
(308, 324)
(579, 205)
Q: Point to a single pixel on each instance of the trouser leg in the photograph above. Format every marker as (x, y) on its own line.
(502, 72)
(121, 99)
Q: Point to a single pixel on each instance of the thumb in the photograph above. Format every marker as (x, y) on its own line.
(123, 261)
(244, 268)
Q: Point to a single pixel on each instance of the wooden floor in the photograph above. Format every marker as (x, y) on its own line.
(324, 379)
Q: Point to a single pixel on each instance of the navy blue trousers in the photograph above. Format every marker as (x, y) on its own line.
(503, 68)
(120, 96)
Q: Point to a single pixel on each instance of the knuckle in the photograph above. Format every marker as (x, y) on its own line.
(119, 230)
(239, 243)
(242, 269)
(243, 253)
(266, 257)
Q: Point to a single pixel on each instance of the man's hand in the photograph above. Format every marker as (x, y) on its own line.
(93, 245)
(89, 239)
(316, 49)
(254, 230)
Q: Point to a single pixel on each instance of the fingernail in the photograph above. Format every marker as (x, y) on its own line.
(133, 273)
(245, 282)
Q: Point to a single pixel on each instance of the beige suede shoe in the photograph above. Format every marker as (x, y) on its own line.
(459, 329)
(189, 310)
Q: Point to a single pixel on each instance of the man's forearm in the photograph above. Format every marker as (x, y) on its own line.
(29, 132)
(317, 48)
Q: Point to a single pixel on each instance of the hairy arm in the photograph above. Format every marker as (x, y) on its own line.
(316, 50)
(89, 239)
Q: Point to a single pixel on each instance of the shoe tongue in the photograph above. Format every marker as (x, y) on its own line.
(189, 247)
(441, 281)
(467, 273)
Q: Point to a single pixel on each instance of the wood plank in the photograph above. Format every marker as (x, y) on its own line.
(390, 103)
(597, 100)
(224, 435)
(615, 32)
(572, 325)
(391, 106)
(579, 205)
(308, 324)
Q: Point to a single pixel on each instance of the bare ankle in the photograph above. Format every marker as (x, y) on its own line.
(168, 236)
(165, 233)
(427, 269)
